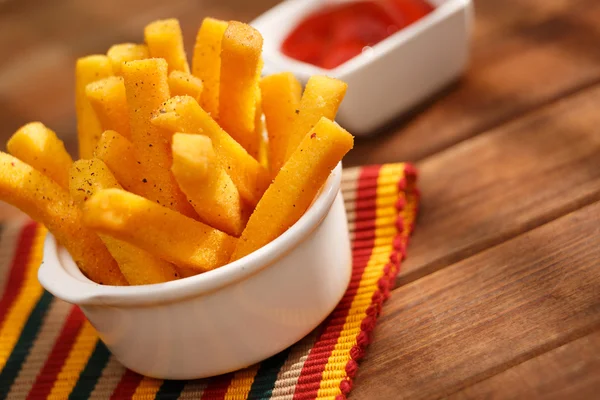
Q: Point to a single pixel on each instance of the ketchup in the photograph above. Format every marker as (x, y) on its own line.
(339, 32)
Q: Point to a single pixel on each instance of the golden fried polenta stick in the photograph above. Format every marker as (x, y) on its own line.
(165, 40)
(87, 70)
(296, 185)
(183, 114)
(138, 266)
(206, 63)
(147, 89)
(117, 153)
(322, 97)
(109, 101)
(46, 202)
(171, 236)
(123, 52)
(280, 101)
(184, 84)
(238, 88)
(39, 147)
(206, 184)
(263, 143)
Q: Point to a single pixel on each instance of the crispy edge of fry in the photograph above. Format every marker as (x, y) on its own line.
(210, 190)
(281, 95)
(146, 86)
(123, 52)
(171, 236)
(184, 84)
(261, 133)
(296, 185)
(183, 114)
(38, 146)
(87, 70)
(206, 62)
(322, 98)
(109, 101)
(138, 266)
(239, 90)
(165, 40)
(43, 200)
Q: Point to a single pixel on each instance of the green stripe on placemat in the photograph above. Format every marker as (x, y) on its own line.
(92, 371)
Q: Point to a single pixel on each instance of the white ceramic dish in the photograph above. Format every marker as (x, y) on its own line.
(225, 319)
(394, 75)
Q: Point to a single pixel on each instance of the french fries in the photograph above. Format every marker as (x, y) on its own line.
(184, 84)
(167, 233)
(281, 95)
(322, 97)
(45, 201)
(165, 40)
(109, 101)
(183, 114)
(117, 153)
(87, 70)
(241, 64)
(295, 186)
(147, 89)
(123, 52)
(179, 173)
(263, 141)
(206, 184)
(206, 63)
(38, 146)
(138, 266)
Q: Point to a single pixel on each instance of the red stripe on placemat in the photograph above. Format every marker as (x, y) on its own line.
(127, 385)
(369, 171)
(17, 269)
(386, 282)
(312, 371)
(62, 347)
(217, 388)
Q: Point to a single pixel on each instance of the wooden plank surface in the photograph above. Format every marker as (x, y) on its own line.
(487, 313)
(526, 53)
(504, 182)
(559, 374)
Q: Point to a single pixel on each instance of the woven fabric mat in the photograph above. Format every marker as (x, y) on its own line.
(49, 350)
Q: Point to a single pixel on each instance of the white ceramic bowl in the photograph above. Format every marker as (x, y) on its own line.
(225, 319)
(394, 75)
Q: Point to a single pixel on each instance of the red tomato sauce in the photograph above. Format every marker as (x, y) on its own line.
(336, 33)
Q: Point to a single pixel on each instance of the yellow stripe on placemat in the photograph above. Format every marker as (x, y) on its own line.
(335, 370)
(78, 356)
(28, 297)
(147, 389)
(241, 383)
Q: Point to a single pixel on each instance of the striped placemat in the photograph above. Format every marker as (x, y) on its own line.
(49, 350)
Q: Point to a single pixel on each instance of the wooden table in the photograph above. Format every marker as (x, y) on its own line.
(500, 294)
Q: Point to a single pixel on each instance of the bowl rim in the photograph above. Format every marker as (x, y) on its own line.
(276, 61)
(60, 276)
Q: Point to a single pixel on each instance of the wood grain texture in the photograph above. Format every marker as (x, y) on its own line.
(526, 53)
(488, 313)
(559, 374)
(505, 182)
